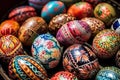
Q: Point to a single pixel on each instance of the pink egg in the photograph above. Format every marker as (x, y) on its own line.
(74, 32)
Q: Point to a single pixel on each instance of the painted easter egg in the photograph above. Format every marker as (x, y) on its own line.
(10, 46)
(30, 29)
(64, 75)
(106, 43)
(81, 10)
(72, 32)
(108, 73)
(117, 58)
(95, 24)
(116, 25)
(26, 68)
(37, 4)
(93, 2)
(20, 14)
(105, 12)
(9, 27)
(51, 9)
(58, 21)
(81, 61)
(46, 49)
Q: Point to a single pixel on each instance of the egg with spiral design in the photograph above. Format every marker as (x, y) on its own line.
(116, 25)
(10, 46)
(58, 21)
(25, 67)
(106, 43)
(51, 9)
(64, 75)
(108, 73)
(30, 29)
(21, 13)
(46, 49)
(9, 27)
(72, 32)
(81, 61)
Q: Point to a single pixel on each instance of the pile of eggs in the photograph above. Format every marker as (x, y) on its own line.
(61, 40)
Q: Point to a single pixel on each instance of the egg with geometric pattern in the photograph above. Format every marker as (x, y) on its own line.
(46, 49)
(24, 67)
(81, 61)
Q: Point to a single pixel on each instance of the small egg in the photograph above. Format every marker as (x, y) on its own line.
(21, 13)
(24, 67)
(30, 29)
(81, 61)
(46, 49)
(51, 9)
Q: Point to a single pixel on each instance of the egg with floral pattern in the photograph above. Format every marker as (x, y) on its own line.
(25, 67)
(81, 61)
(46, 49)
(10, 46)
(9, 27)
(106, 43)
(105, 12)
(108, 73)
(72, 32)
(64, 75)
(116, 25)
(51, 9)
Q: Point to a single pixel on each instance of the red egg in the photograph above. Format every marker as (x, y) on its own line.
(30, 29)
(10, 46)
(9, 27)
(81, 10)
(64, 75)
(20, 14)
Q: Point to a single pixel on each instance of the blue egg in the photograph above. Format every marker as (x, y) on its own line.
(52, 9)
(116, 25)
(46, 49)
(108, 73)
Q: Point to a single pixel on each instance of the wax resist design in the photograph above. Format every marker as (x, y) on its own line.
(26, 68)
(106, 43)
(46, 49)
(74, 32)
(108, 73)
(81, 61)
